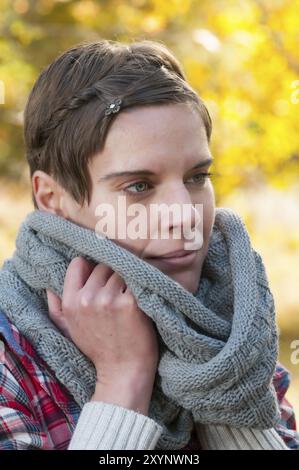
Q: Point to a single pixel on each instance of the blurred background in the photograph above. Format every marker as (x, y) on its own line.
(242, 58)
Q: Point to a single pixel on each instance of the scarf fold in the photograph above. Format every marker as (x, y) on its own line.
(218, 347)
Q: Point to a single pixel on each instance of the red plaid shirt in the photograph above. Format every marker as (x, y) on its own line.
(37, 411)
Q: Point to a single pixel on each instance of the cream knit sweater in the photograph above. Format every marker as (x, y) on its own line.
(104, 426)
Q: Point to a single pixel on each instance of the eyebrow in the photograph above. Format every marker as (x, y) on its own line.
(207, 161)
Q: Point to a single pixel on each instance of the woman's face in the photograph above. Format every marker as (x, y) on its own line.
(158, 147)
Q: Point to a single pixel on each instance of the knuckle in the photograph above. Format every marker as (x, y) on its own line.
(128, 300)
(85, 301)
(105, 300)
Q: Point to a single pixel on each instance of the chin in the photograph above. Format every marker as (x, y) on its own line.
(187, 278)
(189, 281)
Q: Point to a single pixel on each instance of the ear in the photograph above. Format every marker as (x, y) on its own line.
(47, 192)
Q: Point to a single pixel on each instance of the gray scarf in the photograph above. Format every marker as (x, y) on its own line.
(218, 347)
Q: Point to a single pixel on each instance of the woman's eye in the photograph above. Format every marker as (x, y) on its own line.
(200, 178)
(140, 187)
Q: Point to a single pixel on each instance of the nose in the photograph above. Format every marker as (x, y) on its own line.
(182, 217)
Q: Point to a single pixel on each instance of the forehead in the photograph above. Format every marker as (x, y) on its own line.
(154, 135)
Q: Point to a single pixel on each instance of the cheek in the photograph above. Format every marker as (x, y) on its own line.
(137, 247)
(208, 213)
(101, 212)
(111, 222)
(85, 218)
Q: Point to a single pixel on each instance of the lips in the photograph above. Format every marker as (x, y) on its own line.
(173, 254)
(179, 259)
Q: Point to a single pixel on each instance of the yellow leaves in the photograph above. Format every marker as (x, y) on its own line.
(153, 23)
(228, 17)
(171, 8)
(282, 16)
(2, 92)
(295, 92)
(207, 39)
(197, 71)
(241, 57)
(21, 6)
(25, 33)
(249, 41)
(235, 109)
(16, 78)
(86, 11)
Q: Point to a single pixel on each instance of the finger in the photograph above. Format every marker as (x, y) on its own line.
(98, 278)
(54, 303)
(76, 276)
(56, 313)
(116, 283)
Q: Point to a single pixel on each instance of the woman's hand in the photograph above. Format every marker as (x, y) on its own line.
(98, 312)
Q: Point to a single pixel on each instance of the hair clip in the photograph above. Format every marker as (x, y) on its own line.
(113, 107)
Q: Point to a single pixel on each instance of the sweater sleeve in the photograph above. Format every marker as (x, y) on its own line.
(223, 437)
(104, 426)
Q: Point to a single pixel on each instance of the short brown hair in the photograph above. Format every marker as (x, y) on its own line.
(65, 122)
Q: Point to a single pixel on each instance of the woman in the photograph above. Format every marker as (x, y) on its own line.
(107, 123)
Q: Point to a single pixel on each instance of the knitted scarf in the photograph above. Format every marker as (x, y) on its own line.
(218, 347)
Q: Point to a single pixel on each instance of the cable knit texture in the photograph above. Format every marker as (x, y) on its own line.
(218, 347)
